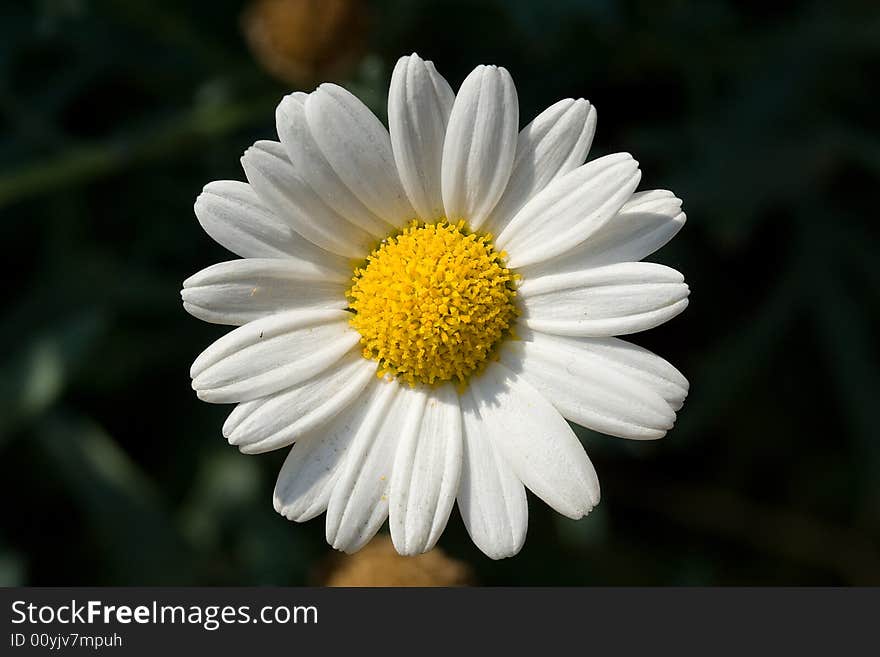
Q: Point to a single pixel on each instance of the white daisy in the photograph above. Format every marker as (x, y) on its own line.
(420, 312)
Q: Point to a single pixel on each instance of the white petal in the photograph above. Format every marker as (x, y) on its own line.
(554, 143)
(613, 300)
(629, 359)
(281, 188)
(239, 291)
(644, 224)
(359, 502)
(277, 420)
(311, 166)
(569, 210)
(358, 147)
(419, 103)
(588, 384)
(491, 498)
(480, 145)
(426, 474)
(271, 354)
(313, 464)
(536, 441)
(232, 213)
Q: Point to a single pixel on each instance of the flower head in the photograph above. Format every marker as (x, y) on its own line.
(421, 309)
(432, 303)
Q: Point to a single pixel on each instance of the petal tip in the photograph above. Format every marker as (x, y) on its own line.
(277, 504)
(505, 552)
(408, 549)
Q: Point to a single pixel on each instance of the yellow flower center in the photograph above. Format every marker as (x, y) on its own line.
(432, 303)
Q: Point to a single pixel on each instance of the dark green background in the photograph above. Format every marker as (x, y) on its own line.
(115, 113)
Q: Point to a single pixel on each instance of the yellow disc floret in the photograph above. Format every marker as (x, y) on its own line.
(432, 303)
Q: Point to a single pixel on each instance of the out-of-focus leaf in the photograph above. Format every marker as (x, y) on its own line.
(225, 484)
(34, 377)
(134, 534)
(229, 518)
(12, 568)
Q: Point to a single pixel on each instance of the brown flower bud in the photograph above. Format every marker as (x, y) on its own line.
(303, 41)
(379, 564)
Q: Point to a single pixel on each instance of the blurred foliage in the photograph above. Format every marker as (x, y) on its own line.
(762, 116)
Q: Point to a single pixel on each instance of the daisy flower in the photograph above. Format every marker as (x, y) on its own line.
(420, 309)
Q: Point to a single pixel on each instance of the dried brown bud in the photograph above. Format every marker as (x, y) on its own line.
(303, 41)
(379, 564)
